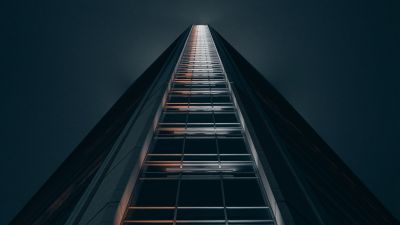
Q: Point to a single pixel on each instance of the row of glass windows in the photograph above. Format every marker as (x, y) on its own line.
(198, 169)
(199, 193)
(205, 117)
(199, 146)
(200, 214)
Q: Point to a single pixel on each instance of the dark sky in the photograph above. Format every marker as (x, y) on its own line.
(337, 62)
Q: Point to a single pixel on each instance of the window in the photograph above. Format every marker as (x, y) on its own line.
(244, 192)
(199, 170)
(225, 118)
(200, 99)
(235, 158)
(221, 99)
(200, 158)
(200, 214)
(178, 99)
(156, 193)
(168, 146)
(200, 146)
(200, 193)
(153, 214)
(231, 146)
(201, 118)
(163, 158)
(248, 214)
(220, 85)
(174, 118)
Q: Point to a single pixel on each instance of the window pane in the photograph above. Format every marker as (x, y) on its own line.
(225, 118)
(200, 146)
(178, 99)
(200, 193)
(174, 118)
(200, 214)
(251, 223)
(200, 99)
(222, 85)
(201, 118)
(243, 193)
(248, 214)
(221, 99)
(163, 158)
(231, 146)
(150, 214)
(200, 158)
(156, 192)
(235, 158)
(168, 146)
(134, 223)
(186, 223)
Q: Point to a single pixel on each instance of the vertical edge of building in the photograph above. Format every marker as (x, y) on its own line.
(313, 183)
(65, 195)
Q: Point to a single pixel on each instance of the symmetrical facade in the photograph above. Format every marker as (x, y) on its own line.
(202, 138)
(200, 168)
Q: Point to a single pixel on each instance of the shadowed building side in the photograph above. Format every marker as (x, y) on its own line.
(55, 200)
(203, 138)
(317, 187)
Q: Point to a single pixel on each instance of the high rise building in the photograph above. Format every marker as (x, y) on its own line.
(202, 138)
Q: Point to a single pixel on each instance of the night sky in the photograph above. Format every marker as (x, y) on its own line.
(337, 63)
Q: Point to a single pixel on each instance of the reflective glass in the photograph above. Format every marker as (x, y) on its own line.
(200, 193)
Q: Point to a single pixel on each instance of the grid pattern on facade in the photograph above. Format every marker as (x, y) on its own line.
(199, 169)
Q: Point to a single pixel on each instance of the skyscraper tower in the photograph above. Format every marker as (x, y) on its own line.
(202, 138)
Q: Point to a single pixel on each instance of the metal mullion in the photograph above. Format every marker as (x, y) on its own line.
(151, 207)
(219, 164)
(250, 221)
(147, 221)
(200, 207)
(199, 221)
(247, 207)
(198, 61)
(181, 162)
(236, 112)
(182, 158)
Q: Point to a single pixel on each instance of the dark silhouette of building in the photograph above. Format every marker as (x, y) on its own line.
(202, 138)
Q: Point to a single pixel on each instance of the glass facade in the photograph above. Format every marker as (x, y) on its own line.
(199, 168)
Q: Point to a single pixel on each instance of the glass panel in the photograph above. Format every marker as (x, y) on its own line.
(225, 118)
(150, 214)
(235, 158)
(221, 85)
(243, 193)
(168, 146)
(249, 214)
(200, 193)
(200, 146)
(221, 99)
(198, 169)
(178, 99)
(136, 223)
(163, 158)
(156, 192)
(231, 146)
(201, 118)
(250, 223)
(207, 223)
(200, 99)
(200, 214)
(174, 118)
(200, 158)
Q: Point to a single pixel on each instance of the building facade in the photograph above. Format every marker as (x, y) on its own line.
(202, 138)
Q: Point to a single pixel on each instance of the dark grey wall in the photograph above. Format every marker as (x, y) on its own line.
(67, 63)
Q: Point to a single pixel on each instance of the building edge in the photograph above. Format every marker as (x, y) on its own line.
(305, 168)
(53, 203)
